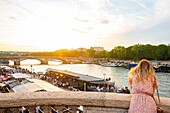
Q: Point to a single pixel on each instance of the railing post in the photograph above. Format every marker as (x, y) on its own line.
(45, 109)
(31, 109)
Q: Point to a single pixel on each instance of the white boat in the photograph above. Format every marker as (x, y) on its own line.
(55, 62)
(109, 64)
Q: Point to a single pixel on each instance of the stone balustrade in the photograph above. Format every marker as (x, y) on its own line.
(92, 102)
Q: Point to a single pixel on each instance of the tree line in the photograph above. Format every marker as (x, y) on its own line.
(135, 52)
(139, 51)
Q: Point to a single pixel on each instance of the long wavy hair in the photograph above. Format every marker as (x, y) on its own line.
(144, 71)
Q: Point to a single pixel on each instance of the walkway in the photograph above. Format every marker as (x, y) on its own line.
(45, 85)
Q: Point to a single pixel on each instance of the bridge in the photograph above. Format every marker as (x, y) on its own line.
(42, 59)
(92, 102)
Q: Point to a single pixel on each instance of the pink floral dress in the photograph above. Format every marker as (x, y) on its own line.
(141, 101)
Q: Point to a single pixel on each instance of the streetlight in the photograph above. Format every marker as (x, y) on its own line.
(31, 68)
(104, 76)
(106, 80)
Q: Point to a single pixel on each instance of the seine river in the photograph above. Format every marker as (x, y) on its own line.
(118, 75)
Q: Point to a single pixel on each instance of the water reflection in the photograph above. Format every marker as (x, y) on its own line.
(11, 62)
(36, 62)
(30, 62)
(55, 62)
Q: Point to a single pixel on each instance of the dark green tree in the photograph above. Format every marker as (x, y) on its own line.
(162, 52)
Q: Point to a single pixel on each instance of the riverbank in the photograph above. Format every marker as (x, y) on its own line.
(159, 66)
(118, 75)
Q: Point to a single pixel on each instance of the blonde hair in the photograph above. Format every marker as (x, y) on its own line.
(143, 71)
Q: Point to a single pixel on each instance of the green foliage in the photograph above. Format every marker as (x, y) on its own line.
(5, 53)
(139, 51)
(168, 52)
(162, 52)
(135, 52)
(91, 52)
(101, 54)
(118, 52)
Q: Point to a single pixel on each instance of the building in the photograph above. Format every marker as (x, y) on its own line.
(81, 49)
(98, 49)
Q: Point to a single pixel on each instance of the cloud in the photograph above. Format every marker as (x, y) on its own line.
(81, 20)
(80, 31)
(11, 17)
(150, 25)
(104, 21)
(162, 9)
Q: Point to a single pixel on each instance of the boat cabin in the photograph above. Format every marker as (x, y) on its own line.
(80, 81)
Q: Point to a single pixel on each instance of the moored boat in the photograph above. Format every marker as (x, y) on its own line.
(162, 68)
(81, 82)
(132, 64)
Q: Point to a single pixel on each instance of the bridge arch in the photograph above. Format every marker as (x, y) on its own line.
(44, 59)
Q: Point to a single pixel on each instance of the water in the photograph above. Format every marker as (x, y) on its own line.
(117, 74)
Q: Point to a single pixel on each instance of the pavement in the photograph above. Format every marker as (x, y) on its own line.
(45, 85)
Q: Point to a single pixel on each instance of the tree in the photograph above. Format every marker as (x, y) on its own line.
(91, 52)
(150, 52)
(101, 54)
(168, 52)
(162, 52)
(137, 51)
(129, 54)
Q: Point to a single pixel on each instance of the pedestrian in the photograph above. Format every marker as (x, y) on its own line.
(143, 83)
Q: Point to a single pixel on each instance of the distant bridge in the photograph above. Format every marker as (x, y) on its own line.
(42, 59)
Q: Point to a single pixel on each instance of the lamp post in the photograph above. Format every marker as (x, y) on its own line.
(104, 79)
(31, 68)
(108, 79)
(104, 76)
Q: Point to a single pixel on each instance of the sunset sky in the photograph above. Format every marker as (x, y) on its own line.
(48, 25)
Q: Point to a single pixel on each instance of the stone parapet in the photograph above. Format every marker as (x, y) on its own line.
(92, 102)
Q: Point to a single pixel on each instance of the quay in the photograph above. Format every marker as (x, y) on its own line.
(15, 79)
(92, 102)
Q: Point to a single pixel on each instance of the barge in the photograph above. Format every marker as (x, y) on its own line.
(84, 82)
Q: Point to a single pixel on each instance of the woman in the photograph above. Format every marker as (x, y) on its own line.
(143, 83)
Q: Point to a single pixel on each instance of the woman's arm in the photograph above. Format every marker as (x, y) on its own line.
(130, 81)
(155, 83)
(130, 77)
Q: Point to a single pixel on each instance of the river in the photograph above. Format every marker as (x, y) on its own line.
(118, 75)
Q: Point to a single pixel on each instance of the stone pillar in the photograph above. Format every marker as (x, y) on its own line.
(44, 62)
(17, 62)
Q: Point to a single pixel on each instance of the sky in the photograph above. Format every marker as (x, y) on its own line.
(49, 25)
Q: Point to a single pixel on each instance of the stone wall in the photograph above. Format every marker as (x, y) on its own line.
(92, 102)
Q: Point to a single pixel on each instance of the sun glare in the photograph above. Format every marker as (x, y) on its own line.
(49, 25)
(56, 31)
